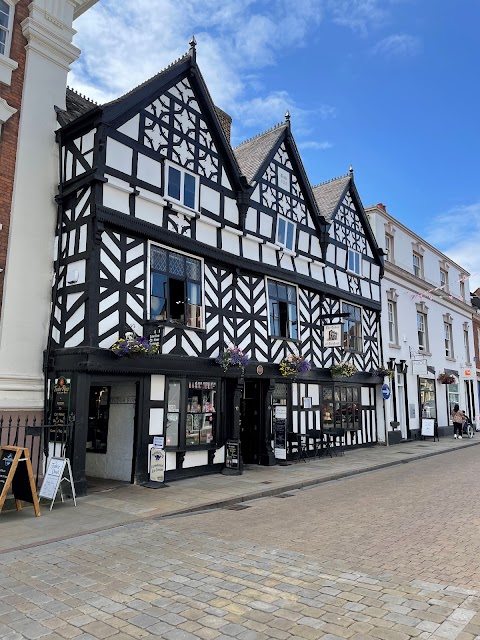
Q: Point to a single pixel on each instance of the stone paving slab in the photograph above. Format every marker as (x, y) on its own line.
(132, 503)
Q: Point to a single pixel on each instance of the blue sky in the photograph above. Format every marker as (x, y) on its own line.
(389, 86)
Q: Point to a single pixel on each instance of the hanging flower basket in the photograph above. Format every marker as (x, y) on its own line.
(293, 365)
(133, 346)
(232, 357)
(383, 372)
(343, 369)
(446, 378)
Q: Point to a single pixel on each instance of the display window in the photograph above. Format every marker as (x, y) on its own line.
(428, 404)
(341, 407)
(191, 413)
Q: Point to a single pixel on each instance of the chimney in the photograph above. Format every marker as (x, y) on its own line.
(225, 121)
(381, 206)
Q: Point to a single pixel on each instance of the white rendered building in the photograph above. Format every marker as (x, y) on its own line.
(426, 331)
(40, 34)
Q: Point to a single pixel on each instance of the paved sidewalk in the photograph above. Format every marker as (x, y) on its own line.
(133, 503)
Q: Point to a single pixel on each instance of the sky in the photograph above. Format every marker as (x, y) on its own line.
(390, 87)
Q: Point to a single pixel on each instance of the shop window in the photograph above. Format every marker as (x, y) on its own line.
(285, 233)
(282, 300)
(453, 396)
(346, 408)
(191, 413)
(182, 186)
(428, 406)
(352, 328)
(98, 412)
(175, 287)
(327, 407)
(201, 413)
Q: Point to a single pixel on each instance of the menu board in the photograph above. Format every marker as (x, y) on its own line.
(280, 432)
(60, 401)
(53, 477)
(232, 454)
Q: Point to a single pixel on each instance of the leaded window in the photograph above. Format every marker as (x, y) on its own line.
(352, 328)
(282, 299)
(175, 288)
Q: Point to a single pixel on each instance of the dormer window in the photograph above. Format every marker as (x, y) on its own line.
(6, 12)
(354, 262)
(181, 186)
(285, 233)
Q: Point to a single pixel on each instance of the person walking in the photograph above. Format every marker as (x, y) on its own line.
(457, 419)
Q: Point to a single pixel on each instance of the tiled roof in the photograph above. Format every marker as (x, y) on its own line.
(76, 106)
(252, 153)
(328, 194)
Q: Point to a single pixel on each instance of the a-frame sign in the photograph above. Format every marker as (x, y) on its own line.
(16, 472)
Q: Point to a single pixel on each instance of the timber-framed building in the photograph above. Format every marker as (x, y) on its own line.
(165, 230)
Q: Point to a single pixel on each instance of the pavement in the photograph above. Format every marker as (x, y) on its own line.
(132, 503)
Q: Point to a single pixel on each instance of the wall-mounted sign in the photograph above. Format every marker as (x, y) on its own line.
(61, 400)
(419, 367)
(159, 441)
(260, 370)
(333, 335)
(386, 391)
(467, 373)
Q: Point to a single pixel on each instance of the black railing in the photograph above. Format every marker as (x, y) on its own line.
(42, 440)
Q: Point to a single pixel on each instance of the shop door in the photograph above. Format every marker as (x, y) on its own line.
(252, 429)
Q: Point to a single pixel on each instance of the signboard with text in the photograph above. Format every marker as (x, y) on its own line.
(419, 367)
(333, 335)
(280, 432)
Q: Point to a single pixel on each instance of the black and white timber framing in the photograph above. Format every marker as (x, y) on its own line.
(114, 207)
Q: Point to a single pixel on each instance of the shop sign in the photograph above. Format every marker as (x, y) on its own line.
(260, 370)
(232, 454)
(419, 367)
(158, 441)
(467, 373)
(280, 432)
(332, 335)
(61, 400)
(386, 391)
(157, 464)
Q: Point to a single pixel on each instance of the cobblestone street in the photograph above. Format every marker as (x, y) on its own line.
(392, 554)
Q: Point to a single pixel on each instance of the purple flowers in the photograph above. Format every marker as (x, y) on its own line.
(134, 346)
(232, 357)
(293, 365)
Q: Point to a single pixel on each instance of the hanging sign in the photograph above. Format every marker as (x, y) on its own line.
(333, 335)
(16, 472)
(157, 464)
(58, 471)
(419, 367)
(386, 391)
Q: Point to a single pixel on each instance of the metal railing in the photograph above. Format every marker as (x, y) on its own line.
(42, 440)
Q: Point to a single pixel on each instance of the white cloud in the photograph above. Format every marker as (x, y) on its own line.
(398, 45)
(457, 234)
(313, 144)
(358, 15)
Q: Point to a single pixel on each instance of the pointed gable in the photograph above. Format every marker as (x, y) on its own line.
(252, 154)
(328, 195)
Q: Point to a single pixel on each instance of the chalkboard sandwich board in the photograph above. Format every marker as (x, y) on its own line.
(16, 472)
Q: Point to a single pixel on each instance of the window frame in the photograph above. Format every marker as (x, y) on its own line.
(448, 339)
(181, 201)
(466, 343)
(423, 317)
(444, 280)
(289, 322)
(420, 264)
(168, 321)
(462, 290)
(288, 223)
(9, 29)
(355, 323)
(392, 322)
(389, 247)
(357, 259)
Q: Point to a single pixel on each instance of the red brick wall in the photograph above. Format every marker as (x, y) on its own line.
(8, 139)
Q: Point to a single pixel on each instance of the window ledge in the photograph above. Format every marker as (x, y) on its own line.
(278, 247)
(177, 207)
(293, 340)
(450, 359)
(7, 66)
(174, 325)
(424, 353)
(394, 345)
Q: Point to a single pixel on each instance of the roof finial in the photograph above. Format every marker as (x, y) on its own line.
(193, 44)
(287, 116)
(350, 171)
